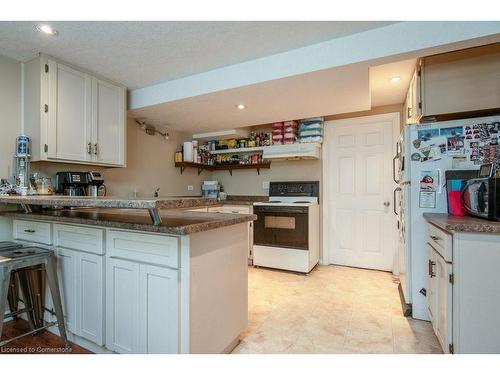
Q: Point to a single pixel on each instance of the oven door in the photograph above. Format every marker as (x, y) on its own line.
(281, 226)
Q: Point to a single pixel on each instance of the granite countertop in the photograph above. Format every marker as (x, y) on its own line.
(109, 202)
(463, 223)
(177, 222)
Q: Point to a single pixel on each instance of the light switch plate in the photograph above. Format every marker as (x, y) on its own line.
(190, 188)
(265, 185)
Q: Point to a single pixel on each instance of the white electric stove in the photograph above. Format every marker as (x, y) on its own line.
(286, 233)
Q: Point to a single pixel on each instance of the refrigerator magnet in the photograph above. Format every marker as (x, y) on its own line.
(415, 156)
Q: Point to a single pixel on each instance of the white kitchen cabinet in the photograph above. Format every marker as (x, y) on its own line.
(457, 84)
(431, 285)
(444, 303)
(158, 309)
(67, 264)
(122, 306)
(81, 276)
(72, 115)
(413, 103)
(108, 123)
(142, 308)
(463, 293)
(461, 81)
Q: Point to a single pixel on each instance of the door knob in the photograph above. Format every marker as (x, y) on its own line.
(387, 203)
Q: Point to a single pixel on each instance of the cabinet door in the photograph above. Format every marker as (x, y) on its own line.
(67, 264)
(159, 310)
(70, 113)
(108, 123)
(432, 286)
(91, 292)
(122, 306)
(444, 303)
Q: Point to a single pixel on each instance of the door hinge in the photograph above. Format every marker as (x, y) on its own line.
(46, 68)
(46, 148)
(419, 71)
(46, 108)
(451, 349)
(451, 278)
(419, 105)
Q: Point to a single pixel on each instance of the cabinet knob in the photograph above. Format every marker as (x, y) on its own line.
(95, 149)
(436, 238)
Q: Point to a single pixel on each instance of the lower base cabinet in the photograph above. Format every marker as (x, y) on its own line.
(463, 293)
(81, 278)
(142, 308)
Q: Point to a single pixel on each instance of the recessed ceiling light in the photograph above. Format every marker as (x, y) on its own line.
(241, 106)
(395, 79)
(46, 29)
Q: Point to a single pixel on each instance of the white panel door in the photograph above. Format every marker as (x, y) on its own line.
(359, 158)
(70, 113)
(122, 306)
(91, 292)
(159, 310)
(108, 123)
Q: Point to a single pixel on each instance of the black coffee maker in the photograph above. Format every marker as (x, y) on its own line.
(72, 183)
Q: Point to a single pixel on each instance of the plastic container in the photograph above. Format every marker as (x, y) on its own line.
(455, 206)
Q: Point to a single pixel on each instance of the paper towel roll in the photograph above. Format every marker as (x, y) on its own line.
(188, 151)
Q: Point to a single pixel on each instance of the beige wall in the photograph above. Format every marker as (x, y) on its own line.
(10, 110)
(150, 165)
(248, 182)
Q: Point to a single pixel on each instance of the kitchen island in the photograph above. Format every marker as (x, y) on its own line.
(130, 286)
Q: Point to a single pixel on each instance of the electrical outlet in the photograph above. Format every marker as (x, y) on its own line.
(265, 185)
(190, 188)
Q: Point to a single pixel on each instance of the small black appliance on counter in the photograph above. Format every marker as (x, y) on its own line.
(72, 183)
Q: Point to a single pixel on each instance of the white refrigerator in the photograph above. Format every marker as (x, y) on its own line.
(424, 153)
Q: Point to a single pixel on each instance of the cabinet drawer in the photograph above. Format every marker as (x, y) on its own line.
(441, 241)
(33, 231)
(79, 238)
(228, 209)
(145, 248)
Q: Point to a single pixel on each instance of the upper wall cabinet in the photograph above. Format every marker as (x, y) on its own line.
(73, 116)
(458, 84)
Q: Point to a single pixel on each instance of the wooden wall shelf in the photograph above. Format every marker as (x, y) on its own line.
(201, 167)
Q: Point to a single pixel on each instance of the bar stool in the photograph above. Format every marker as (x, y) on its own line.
(18, 259)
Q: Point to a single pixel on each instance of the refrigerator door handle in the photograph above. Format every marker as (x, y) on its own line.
(394, 169)
(394, 200)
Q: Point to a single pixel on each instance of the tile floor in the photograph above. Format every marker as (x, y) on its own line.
(333, 310)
